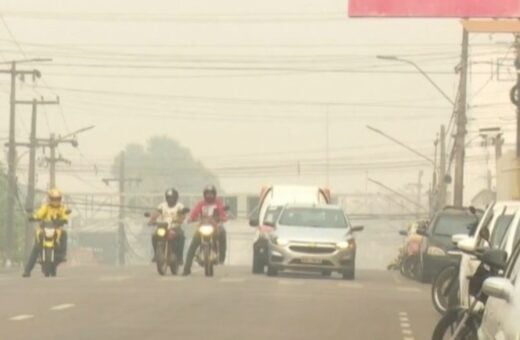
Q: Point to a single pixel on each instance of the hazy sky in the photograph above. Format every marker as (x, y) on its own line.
(247, 85)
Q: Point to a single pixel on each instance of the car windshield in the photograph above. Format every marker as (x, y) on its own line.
(313, 217)
(272, 214)
(451, 224)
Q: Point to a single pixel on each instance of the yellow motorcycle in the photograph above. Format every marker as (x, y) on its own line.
(48, 236)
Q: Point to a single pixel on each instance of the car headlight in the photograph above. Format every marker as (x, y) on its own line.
(435, 251)
(281, 242)
(343, 245)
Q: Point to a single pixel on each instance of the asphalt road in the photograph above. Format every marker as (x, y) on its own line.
(135, 303)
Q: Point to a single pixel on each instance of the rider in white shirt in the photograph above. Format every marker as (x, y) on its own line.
(173, 212)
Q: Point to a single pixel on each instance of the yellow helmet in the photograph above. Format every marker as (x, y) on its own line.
(54, 196)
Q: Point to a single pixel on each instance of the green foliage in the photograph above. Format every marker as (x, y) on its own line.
(163, 163)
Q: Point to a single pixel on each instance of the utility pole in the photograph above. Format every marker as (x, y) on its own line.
(460, 136)
(515, 94)
(419, 193)
(11, 158)
(442, 170)
(33, 145)
(121, 234)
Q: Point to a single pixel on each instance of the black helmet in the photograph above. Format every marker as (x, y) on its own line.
(170, 193)
(210, 189)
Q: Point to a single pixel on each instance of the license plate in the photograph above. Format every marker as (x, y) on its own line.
(311, 261)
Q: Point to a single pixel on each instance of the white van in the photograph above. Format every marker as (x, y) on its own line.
(272, 200)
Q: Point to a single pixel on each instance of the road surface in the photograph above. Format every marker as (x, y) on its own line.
(134, 303)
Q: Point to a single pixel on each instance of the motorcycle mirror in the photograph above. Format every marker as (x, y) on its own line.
(147, 214)
(472, 210)
(185, 210)
(68, 211)
(403, 233)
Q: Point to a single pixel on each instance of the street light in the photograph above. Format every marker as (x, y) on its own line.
(430, 80)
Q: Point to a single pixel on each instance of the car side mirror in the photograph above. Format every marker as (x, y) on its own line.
(498, 287)
(455, 239)
(403, 233)
(467, 245)
(496, 258)
(357, 228)
(254, 222)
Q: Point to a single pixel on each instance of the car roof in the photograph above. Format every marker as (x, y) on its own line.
(317, 206)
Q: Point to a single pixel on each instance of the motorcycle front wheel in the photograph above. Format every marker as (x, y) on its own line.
(448, 324)
(48, 265)
(208, 263)
(160, 258)
(445, 289)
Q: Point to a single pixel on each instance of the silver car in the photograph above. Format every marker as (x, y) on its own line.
(313, 238)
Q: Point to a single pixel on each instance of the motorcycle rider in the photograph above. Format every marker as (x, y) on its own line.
(52, 210)
(173, 212)
(209, 203)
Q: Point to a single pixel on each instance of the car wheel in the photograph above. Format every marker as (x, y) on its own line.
(271, 271)
(326, 273)
(350, 274)
(421, 273)
(258, 263)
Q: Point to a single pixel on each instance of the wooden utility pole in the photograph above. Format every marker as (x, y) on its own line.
(441, 199)
(460, 136)
(121, 233)
(11, 157)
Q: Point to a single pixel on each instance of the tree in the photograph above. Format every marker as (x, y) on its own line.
(164, 163)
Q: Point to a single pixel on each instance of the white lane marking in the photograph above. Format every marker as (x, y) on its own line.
(350, 285)
(405, 326)
(172, 279)
(21, 317)
(232, 280)
(409, 289)
(62, 307)
(114, 278)
(290, 283)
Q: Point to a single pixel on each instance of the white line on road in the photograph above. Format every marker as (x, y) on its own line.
(290, 283)
(114, 278)
(407, 331)
(21, 317)
(62, 307)
(172, 279)
(406, 327)
(232, 280)
(350, 285)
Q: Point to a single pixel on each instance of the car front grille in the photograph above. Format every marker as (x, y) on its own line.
(312, 249)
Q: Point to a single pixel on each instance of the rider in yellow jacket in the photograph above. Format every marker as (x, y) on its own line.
(53, 210)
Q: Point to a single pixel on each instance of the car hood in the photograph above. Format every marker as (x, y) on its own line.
(311, 234)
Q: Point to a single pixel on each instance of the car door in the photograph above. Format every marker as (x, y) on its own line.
(500, 317)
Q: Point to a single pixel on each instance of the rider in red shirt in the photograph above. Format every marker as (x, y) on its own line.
(209, 206)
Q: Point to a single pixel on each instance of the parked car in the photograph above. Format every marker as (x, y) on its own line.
(312, 237)
(502, 313)
(437, 244)
(272, 200)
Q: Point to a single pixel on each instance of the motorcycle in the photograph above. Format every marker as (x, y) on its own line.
(48, 236)
(165, 252)
(208, 253)
(462, 323)
(407, 260)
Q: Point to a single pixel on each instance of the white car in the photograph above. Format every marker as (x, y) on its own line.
(501, 319)
(498, 219)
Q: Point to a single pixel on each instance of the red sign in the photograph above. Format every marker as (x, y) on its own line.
(435, 8)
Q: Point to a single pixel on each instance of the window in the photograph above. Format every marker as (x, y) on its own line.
(451, 224)
(500, 230)
(314, 217)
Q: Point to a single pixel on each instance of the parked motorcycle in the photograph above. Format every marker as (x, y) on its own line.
(461, 323)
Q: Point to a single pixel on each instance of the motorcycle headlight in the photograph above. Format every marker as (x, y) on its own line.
(161, 232)
(206, 230)
(281, 242)
(49, 232)
(435, 251)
